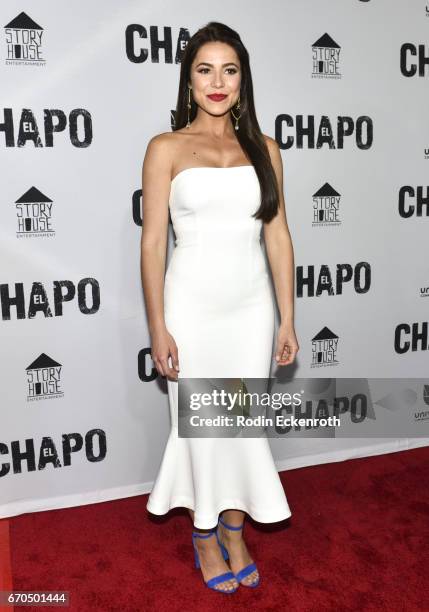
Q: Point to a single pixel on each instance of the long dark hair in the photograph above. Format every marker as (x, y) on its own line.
(249, 134)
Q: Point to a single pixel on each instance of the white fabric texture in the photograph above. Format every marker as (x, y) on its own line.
(219, 309)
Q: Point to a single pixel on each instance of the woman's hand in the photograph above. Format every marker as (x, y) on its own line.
(287, 345)
(164, 346)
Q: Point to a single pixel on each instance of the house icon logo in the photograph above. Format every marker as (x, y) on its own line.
(326, 58)
(43, 379)
(326, 206)
(34, 215)
(324, 348)
(24, 41)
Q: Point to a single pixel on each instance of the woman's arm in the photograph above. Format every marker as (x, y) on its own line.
(280, 254)
(156, 181)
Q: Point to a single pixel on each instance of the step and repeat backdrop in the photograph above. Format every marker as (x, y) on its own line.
(342, 85)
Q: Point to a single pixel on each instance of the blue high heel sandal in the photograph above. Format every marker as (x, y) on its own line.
(216, 579)
(246, 570)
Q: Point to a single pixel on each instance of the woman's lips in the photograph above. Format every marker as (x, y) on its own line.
(217, 97)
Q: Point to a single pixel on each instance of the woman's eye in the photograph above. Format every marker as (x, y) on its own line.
(202, 70)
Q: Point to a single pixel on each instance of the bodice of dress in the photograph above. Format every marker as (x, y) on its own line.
(215, 204)
(218, 253)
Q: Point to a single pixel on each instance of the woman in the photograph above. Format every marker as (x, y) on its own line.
(221, 179)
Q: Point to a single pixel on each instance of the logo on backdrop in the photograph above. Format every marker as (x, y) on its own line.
(427, 8)
(423, 415)
(426, 153)
(326, 206)
(24, 42)
(424, 291)
(13, 300)
(326, 58)
(43, 379)
(323, 135)
(413, 201)
(79, 123)
(34, 215)
(324, 348)
(146, 370)
(332, 283)
(24, 454)
(406, 399)
(414, 60)
(142, 45)
(411, 337)
(137, 207)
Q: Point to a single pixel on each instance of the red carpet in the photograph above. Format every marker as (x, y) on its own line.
(357, 540)
(5, 559)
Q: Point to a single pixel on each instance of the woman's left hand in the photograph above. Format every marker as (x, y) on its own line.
(287, 345)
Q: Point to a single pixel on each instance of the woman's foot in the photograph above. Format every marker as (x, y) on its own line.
(239, 556)
(212, 562)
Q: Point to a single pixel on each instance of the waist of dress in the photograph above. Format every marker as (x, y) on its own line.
(227, 241)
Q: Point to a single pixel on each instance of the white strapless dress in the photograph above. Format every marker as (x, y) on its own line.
(220, 310)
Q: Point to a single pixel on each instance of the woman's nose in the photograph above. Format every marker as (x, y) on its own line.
(217, 80)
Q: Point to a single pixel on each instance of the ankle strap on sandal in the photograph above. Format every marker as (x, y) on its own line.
(196, 534)
(230, 526)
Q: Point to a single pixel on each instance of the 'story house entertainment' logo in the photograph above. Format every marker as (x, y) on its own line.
(43, 378)
(23, 41)
(326, 206)
(326, 58)
(34, 215)
(324, 348)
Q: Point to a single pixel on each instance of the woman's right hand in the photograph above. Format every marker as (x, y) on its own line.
(164, 346)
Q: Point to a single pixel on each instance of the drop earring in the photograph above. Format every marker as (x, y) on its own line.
(239, 116)
(189, 107)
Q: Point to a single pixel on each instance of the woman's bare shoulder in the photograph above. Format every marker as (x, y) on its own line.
(166, 148)
(168, 139)
(271, 144)
(161, 149)
(273, 150)
(162, 141)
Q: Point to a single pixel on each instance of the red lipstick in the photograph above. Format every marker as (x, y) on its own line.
(217, 97)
